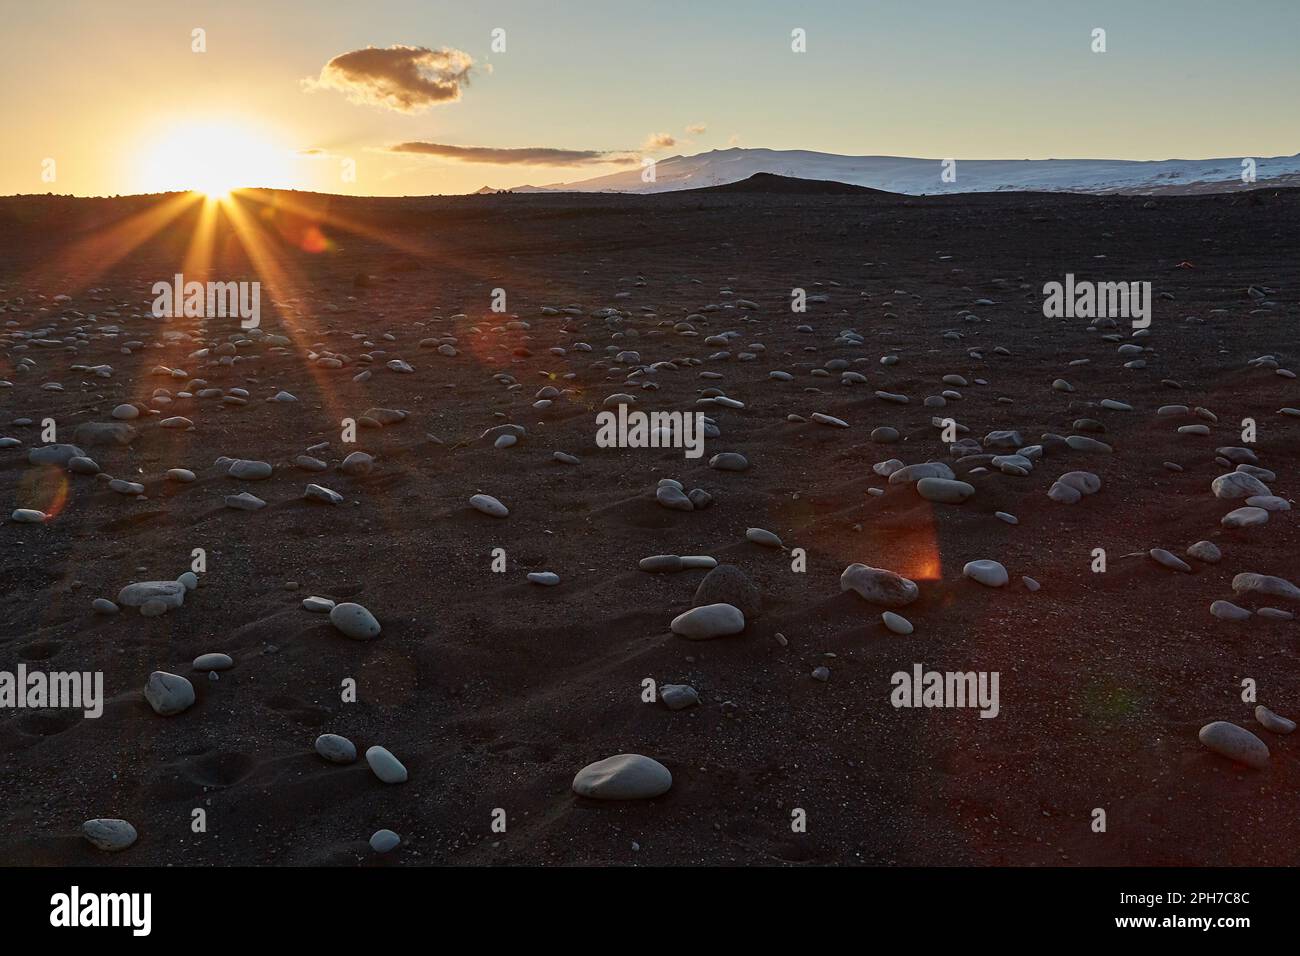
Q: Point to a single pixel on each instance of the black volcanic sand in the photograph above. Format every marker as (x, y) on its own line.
(494, 692)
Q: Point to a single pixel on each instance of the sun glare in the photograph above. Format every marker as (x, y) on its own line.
(213, 158)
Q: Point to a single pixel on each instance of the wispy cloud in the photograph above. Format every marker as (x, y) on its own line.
(405, 79)
(528, 156)
(695, 129)
(658, 141)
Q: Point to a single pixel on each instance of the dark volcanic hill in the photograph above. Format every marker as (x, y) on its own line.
(774, 185)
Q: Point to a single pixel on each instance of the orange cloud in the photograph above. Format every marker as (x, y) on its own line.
(405, 79)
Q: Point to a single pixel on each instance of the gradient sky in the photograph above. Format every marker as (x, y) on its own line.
(102, 87)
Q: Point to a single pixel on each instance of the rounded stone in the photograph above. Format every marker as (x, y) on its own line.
(1227, 611)
(336, 749)
(1271, 721)
(170, 593)
(989, 573)
(489, 506)
(354, 621)
(386, 767)
(727, 584)
(678, 696)
(661, 563)
(1245, 518)
(109, 835)
(878, 586)
(168, 694)
(944, 490)
(896, 622)
(729, 461)
(1171, 561)
(1237, 484)
(381, 841)
(1235, 743)
(213, 662)
(709, 621)
(249, 470)
(623, 777)
(762, 536)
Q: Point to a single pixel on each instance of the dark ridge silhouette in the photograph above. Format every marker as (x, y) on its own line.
(772, 184)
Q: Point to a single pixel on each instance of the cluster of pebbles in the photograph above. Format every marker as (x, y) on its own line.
(942, 464)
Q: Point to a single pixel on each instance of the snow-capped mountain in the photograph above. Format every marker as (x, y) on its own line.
(925, 176)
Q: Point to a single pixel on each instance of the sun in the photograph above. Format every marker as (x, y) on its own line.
(212, 157)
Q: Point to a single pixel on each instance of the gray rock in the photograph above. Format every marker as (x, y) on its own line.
(1248, 582)
(1236, 484)
(661, 563)
(354, 621)
(728, 584)
(1227, 611)
(104, 433)
(321, 493)
(110, 835)
(673, 497)
(358, 463)
(761, 536)
(125, 487)
(382, 841)
(1271, 721)
(1084, 443)
(1084, 482)
(1245, 518)
(1235, 743)
(878, 586)
(249, 470)
(623, 777)
(489, 506)
(909, 474)
(945, 490)
(986, 572)
(170, 593)
(244, 501)
(213, 662)
(1172, 561)
(168, 694)
(1064, 494)
(1269, 503)
(1206, 551)
(896, 622)
(709, 621)
(54, 455)
(729, 461)
(336, 749)
(386, 767)
(678, 696)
